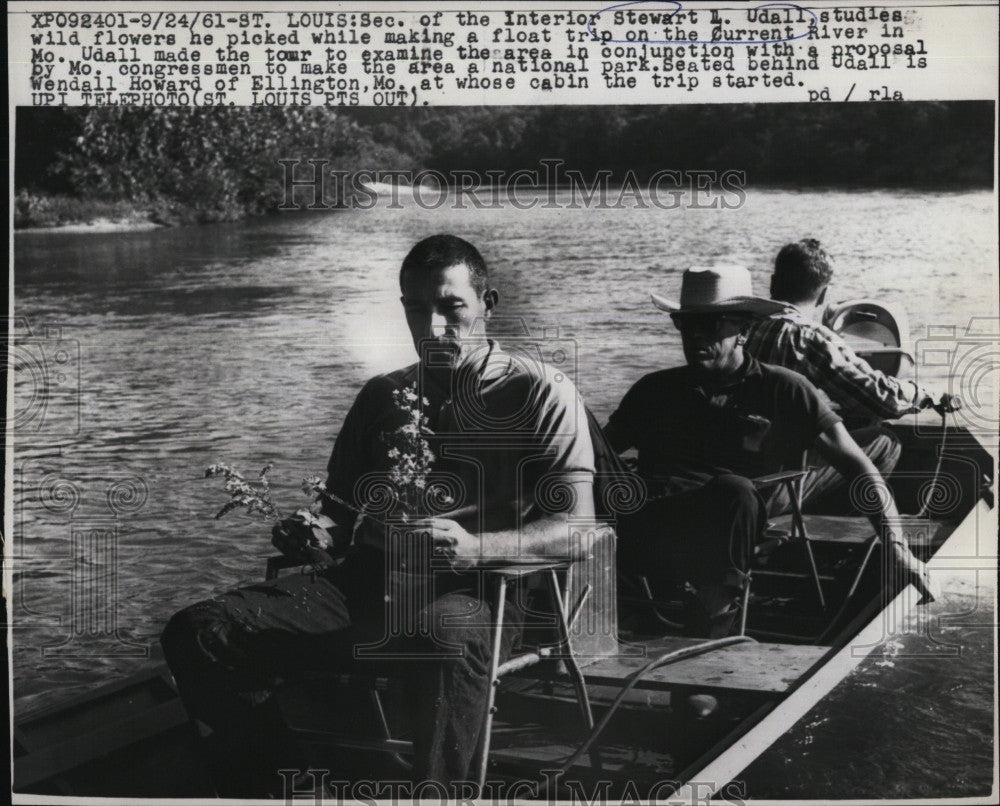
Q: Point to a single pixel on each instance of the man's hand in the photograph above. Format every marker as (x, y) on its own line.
(904, 566)
(451, 540)
(305, 538)
(947, 404)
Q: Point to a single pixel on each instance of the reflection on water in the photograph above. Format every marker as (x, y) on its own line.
(929, 687)
(246, 343)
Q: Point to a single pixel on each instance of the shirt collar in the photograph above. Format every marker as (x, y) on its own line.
(791, 314)
(487, 362)
(750, 368)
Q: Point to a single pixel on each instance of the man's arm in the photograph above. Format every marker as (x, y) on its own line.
(563, 434)
(548, 537)
(853, 383)
(871, 492)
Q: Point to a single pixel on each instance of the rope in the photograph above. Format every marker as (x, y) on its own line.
(635, 677)
(937, 469)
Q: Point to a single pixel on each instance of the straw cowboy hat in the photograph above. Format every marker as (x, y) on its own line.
(718, 289)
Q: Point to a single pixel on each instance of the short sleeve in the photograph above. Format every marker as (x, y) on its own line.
(809, 409)
(347, 461)
(563, 428)
(621, 428)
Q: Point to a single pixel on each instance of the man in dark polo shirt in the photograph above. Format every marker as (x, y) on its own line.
(704, 430)
(486, 456)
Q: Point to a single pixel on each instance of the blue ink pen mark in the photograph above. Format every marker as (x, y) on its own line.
(590, 22)
(679, 6)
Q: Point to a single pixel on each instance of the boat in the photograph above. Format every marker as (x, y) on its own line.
(131, 738)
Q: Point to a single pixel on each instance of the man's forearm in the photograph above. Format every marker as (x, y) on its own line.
(869, 489)
(869, 492)
(551, 537)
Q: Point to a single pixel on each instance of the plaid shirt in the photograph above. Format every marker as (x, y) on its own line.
(791, 340)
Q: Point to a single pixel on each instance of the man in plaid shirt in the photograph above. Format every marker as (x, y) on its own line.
(794, 339)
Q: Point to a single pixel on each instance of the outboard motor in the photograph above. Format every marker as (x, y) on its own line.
(879, 333)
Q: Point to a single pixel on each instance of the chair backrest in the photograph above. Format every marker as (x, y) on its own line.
(594, 634)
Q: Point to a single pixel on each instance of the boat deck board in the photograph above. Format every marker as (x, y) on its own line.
(755, 667)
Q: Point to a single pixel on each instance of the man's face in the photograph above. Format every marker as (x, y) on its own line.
(441, 309)
(710, 341)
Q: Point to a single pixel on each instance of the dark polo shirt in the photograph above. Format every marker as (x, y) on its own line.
(760, 424)
(508, 433)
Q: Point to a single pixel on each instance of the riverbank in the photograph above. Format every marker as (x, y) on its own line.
(43, 212)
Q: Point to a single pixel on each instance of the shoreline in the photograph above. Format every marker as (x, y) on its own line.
(137, 219)
(97, 225)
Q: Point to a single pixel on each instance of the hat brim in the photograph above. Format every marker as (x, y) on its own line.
(752, 306)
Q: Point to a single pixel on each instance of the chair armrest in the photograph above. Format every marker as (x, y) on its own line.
(512, 568)
(506, 566)
(762, 482)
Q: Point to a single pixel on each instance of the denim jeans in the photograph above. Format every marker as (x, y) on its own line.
(228, 652)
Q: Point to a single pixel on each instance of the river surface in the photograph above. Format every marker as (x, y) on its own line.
(165, 351)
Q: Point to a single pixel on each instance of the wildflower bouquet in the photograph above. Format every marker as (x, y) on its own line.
(411, 454)
(412, 460)
(257, 501)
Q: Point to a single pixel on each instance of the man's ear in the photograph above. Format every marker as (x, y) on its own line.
(745, 325)
(490, 298)
(822, 296)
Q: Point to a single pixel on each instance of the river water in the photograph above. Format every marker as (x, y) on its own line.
(169, 350)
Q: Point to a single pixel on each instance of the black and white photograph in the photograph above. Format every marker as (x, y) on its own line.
(509, 451)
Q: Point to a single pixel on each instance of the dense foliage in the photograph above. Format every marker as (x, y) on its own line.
(214, 164)
(196, 164)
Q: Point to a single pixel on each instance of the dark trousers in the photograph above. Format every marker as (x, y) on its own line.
(227, 653)
(825, 491)
(699, 537)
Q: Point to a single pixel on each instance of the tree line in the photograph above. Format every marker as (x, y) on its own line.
(211, 164)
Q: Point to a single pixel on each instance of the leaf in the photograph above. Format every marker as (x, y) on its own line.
(227, 508)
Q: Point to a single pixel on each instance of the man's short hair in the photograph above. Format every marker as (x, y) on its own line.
(442, 252)
(801, 270)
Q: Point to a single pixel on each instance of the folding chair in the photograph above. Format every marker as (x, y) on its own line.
(565, 616)
(793, 481)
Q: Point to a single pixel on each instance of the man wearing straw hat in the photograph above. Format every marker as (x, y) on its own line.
(704, 430)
